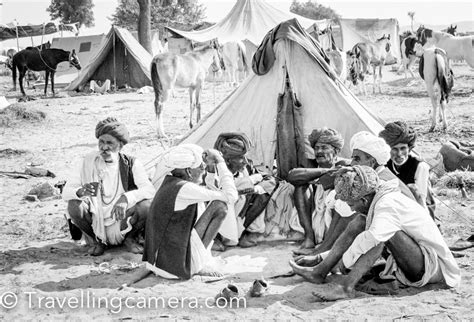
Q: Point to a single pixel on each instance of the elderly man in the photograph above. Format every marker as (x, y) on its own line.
(317, 213)
(409, 169)
(109, 192)
(419, 254)
(180, 228)
(245, 220)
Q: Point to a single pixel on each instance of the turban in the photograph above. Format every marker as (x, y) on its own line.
(233, 144)
(356, 182)
(398, 132)
(326, 136)
(113, 127)
(372, 145)
(183, 156)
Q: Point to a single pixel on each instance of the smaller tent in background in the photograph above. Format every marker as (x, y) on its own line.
(85, 46)
(369, 30)
(121, 59)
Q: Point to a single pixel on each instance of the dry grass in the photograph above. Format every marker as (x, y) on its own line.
(19, 112)
(454, 180)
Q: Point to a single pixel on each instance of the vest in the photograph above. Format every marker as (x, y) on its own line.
(405, 172)
(126, 174)
(168, 232)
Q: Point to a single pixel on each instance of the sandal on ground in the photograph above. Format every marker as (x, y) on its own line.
(390, 287)
(259, 287)
(229, 292)
(462, 244)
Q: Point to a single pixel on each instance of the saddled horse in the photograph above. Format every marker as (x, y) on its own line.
(456, 48)
(373, 54)
(187, 70)
(235, 59)
(438, 76)
(39, 60)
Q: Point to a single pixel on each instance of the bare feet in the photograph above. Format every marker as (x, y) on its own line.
(304, 251)
(308, 261)
(333, 293)
(307, 273)
(209, 272)
(96, 249)
(132, 246)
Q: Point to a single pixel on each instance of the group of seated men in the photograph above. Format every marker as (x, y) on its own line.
(351, 212)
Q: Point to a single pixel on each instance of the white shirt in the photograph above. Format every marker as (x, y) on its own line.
(395, 212)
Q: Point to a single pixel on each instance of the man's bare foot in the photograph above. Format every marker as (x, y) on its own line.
(96, 249)
(333, 293)
(308, 261)
(304, 251)
(209, 272)
(132, 246)
(307, 273)
(307, 243)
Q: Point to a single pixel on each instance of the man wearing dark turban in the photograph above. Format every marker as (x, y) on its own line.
(245, 220)
(317, 213)
(109, 192)
(409, 169)
(418, 253)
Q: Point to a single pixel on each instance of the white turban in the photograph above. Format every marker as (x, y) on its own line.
(372, 145)
(178, 157)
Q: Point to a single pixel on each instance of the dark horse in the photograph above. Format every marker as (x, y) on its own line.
(38, 60)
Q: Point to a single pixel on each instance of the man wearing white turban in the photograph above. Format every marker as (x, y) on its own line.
(180, 228)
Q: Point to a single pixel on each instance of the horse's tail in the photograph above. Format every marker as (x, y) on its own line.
(157, 86)
(444, 75)
(13, 67)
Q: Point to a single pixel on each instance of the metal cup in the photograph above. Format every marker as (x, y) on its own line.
(95, 186)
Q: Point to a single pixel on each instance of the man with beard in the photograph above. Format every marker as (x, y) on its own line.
(109, 192)
(318, 212)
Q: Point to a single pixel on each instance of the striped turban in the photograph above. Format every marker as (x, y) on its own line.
(398, 132)
(233, 144)
(112, 127)
(355, 182)
(326, 136)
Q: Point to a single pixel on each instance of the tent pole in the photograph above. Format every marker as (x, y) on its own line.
(113, 45)
(17, 41)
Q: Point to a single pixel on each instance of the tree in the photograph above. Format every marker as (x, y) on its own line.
(411, 14)
(144, 24)
(72, 11)
(163, 12)
(313, 10)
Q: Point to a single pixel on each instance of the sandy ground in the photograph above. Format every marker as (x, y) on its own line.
(38, 259)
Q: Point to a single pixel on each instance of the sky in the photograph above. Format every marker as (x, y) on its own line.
(432, 12)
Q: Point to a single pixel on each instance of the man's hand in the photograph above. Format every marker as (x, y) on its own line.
(212, 157)
(120, 208)
(88, 189)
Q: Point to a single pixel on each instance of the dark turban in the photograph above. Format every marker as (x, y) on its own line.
(355, 182)
(113, 127)
(233, 144)
(398, 132)
(326, 136)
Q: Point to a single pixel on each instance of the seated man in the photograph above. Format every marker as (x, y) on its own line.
(246, 220)
(98, 87)
(109, 193)
(419, 254)
(410, 170)
(180, 228)
(317, 213)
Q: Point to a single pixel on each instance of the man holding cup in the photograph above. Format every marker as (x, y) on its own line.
(109, 194)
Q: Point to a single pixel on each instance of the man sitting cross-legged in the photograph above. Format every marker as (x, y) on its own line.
(180, 227)
(419, 254)
(318, 212)
(109, 192)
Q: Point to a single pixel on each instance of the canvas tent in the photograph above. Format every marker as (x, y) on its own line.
(121, 59)
(369, 30)
(248, 20)
(254, 107)
(85, 46)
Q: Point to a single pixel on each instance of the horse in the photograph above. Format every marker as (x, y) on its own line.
(456, 48)
(407, 46)
(435, 71)
(452, 30)
(338, 61)
(373, 54)
(186, 70)
(235, 59)
(356, 71)
(39, 60)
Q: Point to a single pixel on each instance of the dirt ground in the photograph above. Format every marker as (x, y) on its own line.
(39, 262)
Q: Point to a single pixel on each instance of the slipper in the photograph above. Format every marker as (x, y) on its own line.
(246, 242)
(227, 293)
(97, 250)
(391, 287)
(259, 287)
(462, 244)
(218, 246)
